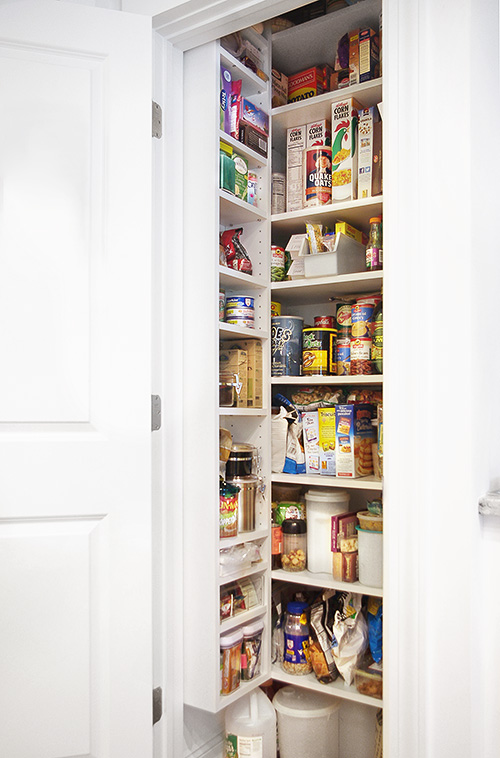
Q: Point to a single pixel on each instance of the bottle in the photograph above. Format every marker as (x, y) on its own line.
(374, 248)
(276, 546)
(296, 640)
(250, 727)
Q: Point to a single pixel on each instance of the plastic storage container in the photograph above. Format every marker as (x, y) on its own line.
(308, 723)
(251, 650)
(296, 640)
(250, 726)
(370, 557)
(370, 521)
(230, 661)
(321, 505)
(293, 557)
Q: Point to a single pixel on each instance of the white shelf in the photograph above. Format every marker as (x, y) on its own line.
(337, 688)
(251, 84)
(230, 331)
(258, 534)
(355, 212)
(308, 579)
(243, 412)
(230, 278)
(225, 700)
(258, 568)
(320, 107)
(315, 480)
(242, 618)
(234, 212)
(321, 289)
(255, 160)
(376, 379)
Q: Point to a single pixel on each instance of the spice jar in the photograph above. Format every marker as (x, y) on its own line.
(294, 544)
(296, 640)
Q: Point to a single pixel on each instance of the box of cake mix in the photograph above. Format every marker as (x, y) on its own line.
(344, 149)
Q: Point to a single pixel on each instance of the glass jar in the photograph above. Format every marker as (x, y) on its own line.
(293, 557)
(374, 248)
(296, 640)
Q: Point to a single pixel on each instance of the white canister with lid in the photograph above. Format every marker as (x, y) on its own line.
(370, 557)
(308, 723)
(321, 505)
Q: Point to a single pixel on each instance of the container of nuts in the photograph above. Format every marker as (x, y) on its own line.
(293, 557)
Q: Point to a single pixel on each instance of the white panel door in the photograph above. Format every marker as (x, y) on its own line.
(75, 469)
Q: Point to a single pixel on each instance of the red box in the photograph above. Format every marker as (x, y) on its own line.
(343, 525)
(305, 84)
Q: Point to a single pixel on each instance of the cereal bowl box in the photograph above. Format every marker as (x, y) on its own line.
(354, 436)
(344, 149)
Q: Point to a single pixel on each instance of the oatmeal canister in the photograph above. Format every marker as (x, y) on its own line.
(318, 175)
(286, 345)
(318, 352)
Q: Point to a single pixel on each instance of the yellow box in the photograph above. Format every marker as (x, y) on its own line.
(234, 363)
(253, 349)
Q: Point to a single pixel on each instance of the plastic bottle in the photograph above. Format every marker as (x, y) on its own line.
(374, 257)
(250, 726)
(296, 640)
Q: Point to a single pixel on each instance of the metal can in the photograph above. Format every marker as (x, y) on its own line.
(222, 305)
(275, 309)
(362, 312)
(324, 322)
(277, 263)
(318, 352)
(343, 356)
(318, 175)
(344, 320)
(361, 349)
(240, 310)
(286, 345)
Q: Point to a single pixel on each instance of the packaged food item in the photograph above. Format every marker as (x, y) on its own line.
(230, 661)
(237, 597)
(318, 352)
(368, 55)
(225, 100)
(374, 249)
(351, 231)
(340, 79)
(315, 234)
(320, 648)
(253, 349)
(275, 309)
(240, 310)
(235, 107)
(295, 146)
(306, 84)
(227, 169)
(324, 322)
(286, 345)
(233, 366)
(296, 640)
(253, 138)
(279, 89)
(251, 650)
(366, 146)
(354, 56)
(370, 521)
(350, 635)
(312, 398)
(293, 557)
(236, 254)
(374, 620)
(318, 176)
(222, 305)
(344, 149)
(354, 437)
(278, 193)
(228, 506)
(343, 527)
(240, 176)
(289, 509)
(252, 188)
(343, 356)
(318, 134)
(310, 430)
(227, 393)
(277, 263)
(253, 115)
(368, 681)
(276, 546)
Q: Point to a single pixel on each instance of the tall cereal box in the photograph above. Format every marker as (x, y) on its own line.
(295, 146)
(344, 149)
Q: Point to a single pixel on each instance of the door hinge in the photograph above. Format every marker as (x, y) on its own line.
(157, 704)
(155, 413)
(157, 121)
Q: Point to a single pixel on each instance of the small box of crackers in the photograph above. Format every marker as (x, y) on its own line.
(354, 436)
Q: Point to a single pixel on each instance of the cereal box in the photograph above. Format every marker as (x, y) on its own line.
(344, 149)
(233, 363)
(355, 435)
(306, 84)
(354, 57)
(318, 133)
(310, 431)
(280, 89)
(368, 55)
(253, 350)
(367, 118)
(295, 146)
(319, 441)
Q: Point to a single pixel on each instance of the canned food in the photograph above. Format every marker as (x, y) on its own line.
(324, 322)
(343, 355)
(361, 348)
(240, 310)
(277, 263)
(362, 312)
(318, 352)
(344, 320)
(275, 309)
(286, 345)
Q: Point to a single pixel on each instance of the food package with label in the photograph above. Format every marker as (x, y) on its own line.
(253, 349)
(233, 364)
(344, 149)
(279, 89)
(354, 438)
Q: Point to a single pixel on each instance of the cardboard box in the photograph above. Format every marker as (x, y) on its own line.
(340, 79)
(253, 349)
(355, 435)
(251, 114)
(366, 121)
(377, 181)
(225, 99)
(343, 525)
(279, 89)
(240, 176)
(319, 441)
(234, 363)
(253, 138)
(226, 168)
(318, 133)
(295, 146)
(344, 149)
(306, 84)
(351, 231)
(368, 55)
(354, 57)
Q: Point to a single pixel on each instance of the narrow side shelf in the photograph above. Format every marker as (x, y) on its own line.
(229, 331)
(308, 579)
(236, 211)
(376, 379)
(336, 689)
(315, 480)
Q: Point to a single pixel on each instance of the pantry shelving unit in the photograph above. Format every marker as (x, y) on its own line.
(215, 210)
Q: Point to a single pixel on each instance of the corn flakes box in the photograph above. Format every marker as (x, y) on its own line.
(344, 124)
(354, 436)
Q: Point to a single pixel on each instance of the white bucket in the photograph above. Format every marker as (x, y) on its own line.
(321, 505)
(308, 723)
(370, 557)
(250, 725)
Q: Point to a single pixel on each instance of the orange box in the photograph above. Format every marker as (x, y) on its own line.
(305, 84)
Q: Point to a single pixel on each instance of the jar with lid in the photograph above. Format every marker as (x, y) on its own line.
(276, 545)
(293, 557)
(374, 248)
(296, 640)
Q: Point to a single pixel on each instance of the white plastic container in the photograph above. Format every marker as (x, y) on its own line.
(308, 723)
(321, 505)
(370, 557)
(250, 725)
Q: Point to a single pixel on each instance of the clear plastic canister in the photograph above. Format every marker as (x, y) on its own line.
(251, 650)
(296, 640)
(230, 661)
(293, 557)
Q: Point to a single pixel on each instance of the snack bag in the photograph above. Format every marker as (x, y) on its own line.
(236, 255)
(350, 635)
(320, 649)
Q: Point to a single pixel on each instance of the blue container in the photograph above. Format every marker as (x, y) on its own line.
(286, 345)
